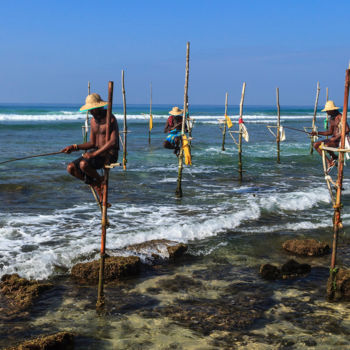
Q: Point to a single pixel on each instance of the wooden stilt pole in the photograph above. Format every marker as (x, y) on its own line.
(337, 224)
(314, 118)
(86, 126)
(104, 221)
(225, 125)
(150, 118)
(125, 125)
(326, 126)
(178, 192)
(240, 165)
(278, 125)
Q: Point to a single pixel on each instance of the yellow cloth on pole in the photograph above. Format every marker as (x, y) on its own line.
(187, 151)
(150, 122)
(228, 121)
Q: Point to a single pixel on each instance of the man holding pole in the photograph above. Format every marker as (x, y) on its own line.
(334, 130)
(101, 152)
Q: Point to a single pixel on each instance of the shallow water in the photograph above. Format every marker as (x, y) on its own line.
(49, 222)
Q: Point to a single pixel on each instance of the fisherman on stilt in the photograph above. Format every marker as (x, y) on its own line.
(334, 130)
(101, 153)
(173, 128)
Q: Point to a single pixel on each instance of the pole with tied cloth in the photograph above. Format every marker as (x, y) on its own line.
(125, 131)
(178, 192)
(240, 165)
(326, 120)
(314, 118)
(278, 124)
(225, 123)
(104, 221)
(150, 117)
(337, 224)
(86, 126)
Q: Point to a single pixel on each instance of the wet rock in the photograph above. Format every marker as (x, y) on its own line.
(339, 290)
(291, 269)
(306, 247)
(159, 251)
(179, 283)
(116, 267)
(58, 341)
(20, 292)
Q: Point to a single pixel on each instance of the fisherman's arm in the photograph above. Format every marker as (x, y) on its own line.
(108, 145)
(329, 132)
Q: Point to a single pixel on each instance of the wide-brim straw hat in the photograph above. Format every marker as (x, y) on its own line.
(329, 106)
(176, 111)
(93, 101)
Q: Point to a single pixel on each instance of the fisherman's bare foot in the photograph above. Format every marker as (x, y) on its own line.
(330, 165)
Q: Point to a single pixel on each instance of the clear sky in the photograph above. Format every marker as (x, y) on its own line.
(51, 49)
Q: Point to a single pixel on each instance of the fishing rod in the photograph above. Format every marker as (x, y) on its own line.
(37, 155)
(288, 127)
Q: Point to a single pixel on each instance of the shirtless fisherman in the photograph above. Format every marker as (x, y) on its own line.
(334, 130)
(85, 167)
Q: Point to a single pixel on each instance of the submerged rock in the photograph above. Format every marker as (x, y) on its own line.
(339, 290)
(291, 269)
(116, 267)
(58, 341)
(21, 292)
(158, 251)
(306, 247)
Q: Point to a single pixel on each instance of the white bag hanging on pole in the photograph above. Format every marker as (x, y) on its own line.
(282, 134)
(244, 132)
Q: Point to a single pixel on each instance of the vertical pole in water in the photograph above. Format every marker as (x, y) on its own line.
(100, 294)
(150, 118)
(125, 126)
(224, 131)
(278, 124)
(178, 192)
(314, 118)
(240, 165)
(326, 126)
(86, 126)
(337, 224)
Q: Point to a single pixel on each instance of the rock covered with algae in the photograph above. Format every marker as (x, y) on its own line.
(58, 341)
(116, 267)
(339, 289)
(306, 247)
(291, 269)
(20, 292)
(159, 251)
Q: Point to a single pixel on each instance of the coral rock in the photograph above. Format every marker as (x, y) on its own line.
(306, 247)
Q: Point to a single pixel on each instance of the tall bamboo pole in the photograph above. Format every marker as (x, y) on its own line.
(104, 221)
(225, 124)
(150, 117)
(314, 118)
(337, 224)
(178, 192)
(326, 126)
(278, 124)
(86, 126)
(240, 165)
(125, 125)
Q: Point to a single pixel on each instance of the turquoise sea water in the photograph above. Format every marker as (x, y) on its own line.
(49, 221)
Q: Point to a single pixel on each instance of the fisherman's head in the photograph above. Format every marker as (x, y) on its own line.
(331, 109)
(94, 104)
(176, 111)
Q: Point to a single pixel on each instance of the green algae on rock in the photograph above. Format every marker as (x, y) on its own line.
(339, 290)
(20, 292)
(306, 247)
(116, 267)
(58, 341)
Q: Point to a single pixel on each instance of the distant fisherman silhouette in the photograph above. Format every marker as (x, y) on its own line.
(173, 128)
(85, 167)
(334, 130)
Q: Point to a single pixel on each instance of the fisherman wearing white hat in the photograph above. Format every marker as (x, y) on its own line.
(173, 128)
(334, 131)
(101, 152)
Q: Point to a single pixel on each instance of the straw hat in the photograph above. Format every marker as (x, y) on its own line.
(329, 106)
(176, 111)
(93, 101)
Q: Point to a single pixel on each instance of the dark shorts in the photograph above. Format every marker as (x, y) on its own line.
(96, 163)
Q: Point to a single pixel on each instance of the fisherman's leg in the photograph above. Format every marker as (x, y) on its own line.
(74, 171)
(317, 147)
(96, 179)
(177, 146)
(167, 144)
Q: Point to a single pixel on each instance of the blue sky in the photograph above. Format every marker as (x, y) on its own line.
(51, 49)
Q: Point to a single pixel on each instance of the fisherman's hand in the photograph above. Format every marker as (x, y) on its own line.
(314, 133)
(89, 155)
(68, 149)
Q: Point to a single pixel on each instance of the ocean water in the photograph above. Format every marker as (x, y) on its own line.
(49, 222)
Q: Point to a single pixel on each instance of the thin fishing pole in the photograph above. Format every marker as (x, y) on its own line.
(37, 155)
